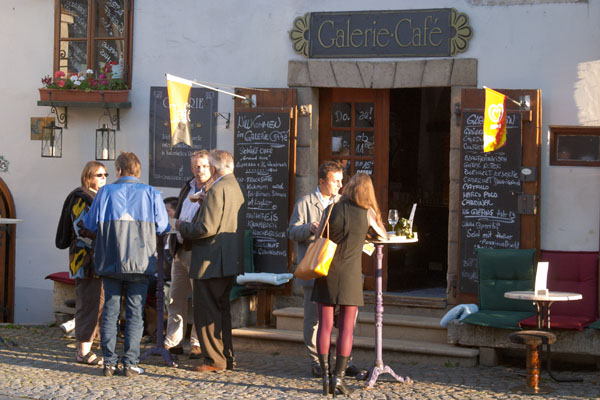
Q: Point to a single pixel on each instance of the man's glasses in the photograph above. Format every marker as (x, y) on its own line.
(101, 175)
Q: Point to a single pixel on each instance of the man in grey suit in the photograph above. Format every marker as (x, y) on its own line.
(304, 222)
(217, 235)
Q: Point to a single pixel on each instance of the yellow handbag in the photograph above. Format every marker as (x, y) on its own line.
(318, 257)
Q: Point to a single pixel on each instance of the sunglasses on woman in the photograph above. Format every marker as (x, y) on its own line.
(101, 175)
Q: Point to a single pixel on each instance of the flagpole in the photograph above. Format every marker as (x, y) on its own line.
(192, 82)
(520, 104)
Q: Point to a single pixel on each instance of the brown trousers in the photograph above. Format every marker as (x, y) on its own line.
(212, 317)
(88, 308)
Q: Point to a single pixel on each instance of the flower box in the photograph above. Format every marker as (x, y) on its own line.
(92, 96)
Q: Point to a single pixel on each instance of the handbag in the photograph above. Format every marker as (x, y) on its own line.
(318, 257)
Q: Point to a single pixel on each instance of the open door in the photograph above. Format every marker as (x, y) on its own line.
(7, 255)
(499, 191)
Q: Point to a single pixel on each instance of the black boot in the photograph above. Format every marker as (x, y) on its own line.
(337, 383)
(324, 362)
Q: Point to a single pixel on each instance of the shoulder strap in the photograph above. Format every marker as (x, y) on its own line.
(325, 223)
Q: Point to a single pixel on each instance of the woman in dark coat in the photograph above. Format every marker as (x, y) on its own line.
(348, 227)
(88, 287)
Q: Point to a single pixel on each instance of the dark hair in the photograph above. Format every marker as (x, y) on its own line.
(127, 164)
(88, 172)
(327, 167)
(172, 201)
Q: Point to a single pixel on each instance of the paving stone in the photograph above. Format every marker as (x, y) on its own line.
(42, 366)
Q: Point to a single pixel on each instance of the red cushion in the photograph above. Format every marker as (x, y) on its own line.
(559, 322)
(62, 277)
(573, 272)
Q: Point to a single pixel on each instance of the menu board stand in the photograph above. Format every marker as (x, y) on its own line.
(489, 188)
(170, 166)
(262, 154)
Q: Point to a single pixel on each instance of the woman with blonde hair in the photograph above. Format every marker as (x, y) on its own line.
(88, 287)
(348, 227)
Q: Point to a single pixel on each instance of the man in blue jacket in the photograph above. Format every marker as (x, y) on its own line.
(126, 217)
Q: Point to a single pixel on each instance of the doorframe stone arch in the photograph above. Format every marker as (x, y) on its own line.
(308, 76)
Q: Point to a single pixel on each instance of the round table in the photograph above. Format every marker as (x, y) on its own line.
(379, 367)
(543, 302)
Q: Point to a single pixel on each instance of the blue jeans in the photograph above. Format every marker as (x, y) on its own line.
(136, 289)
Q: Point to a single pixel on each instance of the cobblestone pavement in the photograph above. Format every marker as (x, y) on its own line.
(38, 363)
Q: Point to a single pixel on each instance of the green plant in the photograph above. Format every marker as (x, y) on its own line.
(403, 228)
(87, 80)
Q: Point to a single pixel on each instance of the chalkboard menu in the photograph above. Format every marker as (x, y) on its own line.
(262, 167)
(170, 166)
(488, 197)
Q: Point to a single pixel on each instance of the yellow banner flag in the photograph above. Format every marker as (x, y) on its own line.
(179, 109)
(494, 121)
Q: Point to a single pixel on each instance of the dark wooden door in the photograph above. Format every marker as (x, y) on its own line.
(7, 256)
(354, 126)
(474, 99)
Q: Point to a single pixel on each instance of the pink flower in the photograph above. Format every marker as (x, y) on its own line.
(59, 74)
(61, 83)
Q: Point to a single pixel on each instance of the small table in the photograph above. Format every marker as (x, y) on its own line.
(379, 367)
(543, 303)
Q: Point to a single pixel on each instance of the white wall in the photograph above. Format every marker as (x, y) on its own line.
(553, 47)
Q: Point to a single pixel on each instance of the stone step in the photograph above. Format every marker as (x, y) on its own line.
(276, 341)
(412, 305)
(395, 326)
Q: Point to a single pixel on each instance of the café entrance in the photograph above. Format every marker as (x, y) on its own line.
(401, 137)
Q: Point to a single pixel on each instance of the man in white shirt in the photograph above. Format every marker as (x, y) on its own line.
(181, 284)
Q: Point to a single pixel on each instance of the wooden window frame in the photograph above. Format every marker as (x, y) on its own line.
(557, 131)
(91, 38)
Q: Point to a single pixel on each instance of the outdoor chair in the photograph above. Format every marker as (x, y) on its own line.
(501, 271)
(571, 272)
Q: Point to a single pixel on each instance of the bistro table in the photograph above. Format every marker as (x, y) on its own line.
(379, 367)
(543, 303)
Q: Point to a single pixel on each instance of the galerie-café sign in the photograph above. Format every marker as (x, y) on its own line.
(407, 33)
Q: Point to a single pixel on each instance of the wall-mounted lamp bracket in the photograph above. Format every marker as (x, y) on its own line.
(115, 120)
(61, 117)
(226, 118)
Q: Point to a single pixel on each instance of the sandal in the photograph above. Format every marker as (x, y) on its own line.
(89, 359)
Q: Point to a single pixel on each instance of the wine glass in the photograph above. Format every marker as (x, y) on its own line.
(393, 219)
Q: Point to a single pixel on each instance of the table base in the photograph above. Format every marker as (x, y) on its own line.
(530, 390)
(160, 351)
(385, 369)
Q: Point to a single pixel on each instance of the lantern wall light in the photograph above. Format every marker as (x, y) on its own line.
(52, 141)
(105, 143)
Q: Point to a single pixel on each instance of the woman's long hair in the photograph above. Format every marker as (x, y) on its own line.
(360, 190)
(88, 172)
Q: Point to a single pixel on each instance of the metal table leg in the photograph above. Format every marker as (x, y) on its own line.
(379, 367)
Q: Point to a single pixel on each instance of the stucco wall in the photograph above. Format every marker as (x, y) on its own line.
(553, 47)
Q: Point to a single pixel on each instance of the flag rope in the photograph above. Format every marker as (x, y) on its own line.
(193, 82)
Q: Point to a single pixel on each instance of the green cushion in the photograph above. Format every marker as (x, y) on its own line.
(594, 325)
(498, 319)
(505, 270)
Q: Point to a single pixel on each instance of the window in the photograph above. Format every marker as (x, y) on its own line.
(92, 33)
(575, 145)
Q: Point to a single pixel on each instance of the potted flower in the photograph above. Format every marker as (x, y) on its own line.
(85, 87)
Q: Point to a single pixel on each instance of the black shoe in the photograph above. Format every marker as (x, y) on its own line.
(316, 371)
(110, 370)
(177, 350)
(354, 371)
